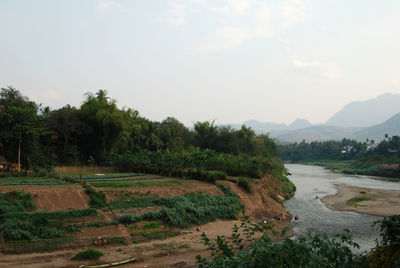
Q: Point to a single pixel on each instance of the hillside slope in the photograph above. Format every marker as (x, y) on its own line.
(315, 133)
(367, 113)
(377, 132)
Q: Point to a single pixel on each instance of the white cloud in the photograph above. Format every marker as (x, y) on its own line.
(317, 69)
(239, 5)
(110, 4)
(176, 13)
(262, 20)
(292, 12)
(223, 38)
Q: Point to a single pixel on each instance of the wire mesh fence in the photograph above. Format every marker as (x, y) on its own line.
(45, 245)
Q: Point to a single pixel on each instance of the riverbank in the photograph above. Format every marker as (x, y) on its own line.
(381, 171)
(370, 201)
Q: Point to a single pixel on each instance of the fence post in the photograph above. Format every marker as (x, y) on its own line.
(1, 241)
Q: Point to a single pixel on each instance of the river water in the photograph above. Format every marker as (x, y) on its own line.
(312, 181)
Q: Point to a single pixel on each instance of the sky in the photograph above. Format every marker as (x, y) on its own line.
(198, 60)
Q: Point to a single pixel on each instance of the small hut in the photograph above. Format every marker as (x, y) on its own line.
(4, 164)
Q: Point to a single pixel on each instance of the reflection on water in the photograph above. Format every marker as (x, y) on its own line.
(314, 181)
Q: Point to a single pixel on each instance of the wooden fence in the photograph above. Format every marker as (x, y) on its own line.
(82, 170)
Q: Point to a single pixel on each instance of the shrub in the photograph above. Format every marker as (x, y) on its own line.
(244, 183)
(89, 254)
(314, 250)
(151, 225)
(97, 199)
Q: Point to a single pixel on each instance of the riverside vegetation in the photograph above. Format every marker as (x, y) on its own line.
(349, 156)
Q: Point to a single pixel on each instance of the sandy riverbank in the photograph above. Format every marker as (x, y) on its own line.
(382, 203)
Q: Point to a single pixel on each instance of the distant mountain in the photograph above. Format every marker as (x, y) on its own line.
(367, 113)
(315, 133)
(268, 127)
(299, 124)
(264, 127)
(377, 132)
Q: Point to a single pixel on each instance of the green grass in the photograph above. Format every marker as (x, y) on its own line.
(89, 254)
(151, 225)
(140, 183)
(354, 202)
(386, 179)
(170, 246)
(152, 235)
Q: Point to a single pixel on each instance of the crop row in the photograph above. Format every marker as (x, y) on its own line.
(4, 182)
(193, 208)
(107, 176)
(125, 179)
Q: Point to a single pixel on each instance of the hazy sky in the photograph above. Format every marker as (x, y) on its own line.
(196, 60)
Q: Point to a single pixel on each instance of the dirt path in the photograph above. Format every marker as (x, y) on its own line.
(382, 202)
(179, 251)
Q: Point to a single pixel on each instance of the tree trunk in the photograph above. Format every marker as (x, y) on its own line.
(19, 151)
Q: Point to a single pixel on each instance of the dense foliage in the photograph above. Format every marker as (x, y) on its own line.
(193, 208)
(312, 250)
(367, 157)
(188, 162)
(98, 132)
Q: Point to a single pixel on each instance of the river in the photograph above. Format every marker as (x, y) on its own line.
(312, 181)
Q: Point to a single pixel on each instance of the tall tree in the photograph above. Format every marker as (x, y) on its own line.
(18, 122)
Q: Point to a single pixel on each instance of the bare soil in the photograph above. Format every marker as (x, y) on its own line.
(53, 197)
(383, 203)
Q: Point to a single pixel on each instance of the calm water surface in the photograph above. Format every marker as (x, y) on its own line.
(312, 181)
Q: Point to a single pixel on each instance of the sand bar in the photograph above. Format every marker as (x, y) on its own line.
(382, 203)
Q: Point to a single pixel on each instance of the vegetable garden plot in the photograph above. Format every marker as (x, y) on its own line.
(108, 176)
(31, 181)
(125, 179)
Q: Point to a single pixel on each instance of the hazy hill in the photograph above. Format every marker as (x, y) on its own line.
(299, 123)
(377, 132)
(315, 133)
(268, 127)
(367, 113)
(264, 127)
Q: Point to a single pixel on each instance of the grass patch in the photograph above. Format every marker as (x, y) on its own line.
(89, 254)
(152, 235)
(151, 225)
(386, 179)
(354, 202)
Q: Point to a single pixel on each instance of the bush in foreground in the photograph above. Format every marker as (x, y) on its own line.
(89, 254)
